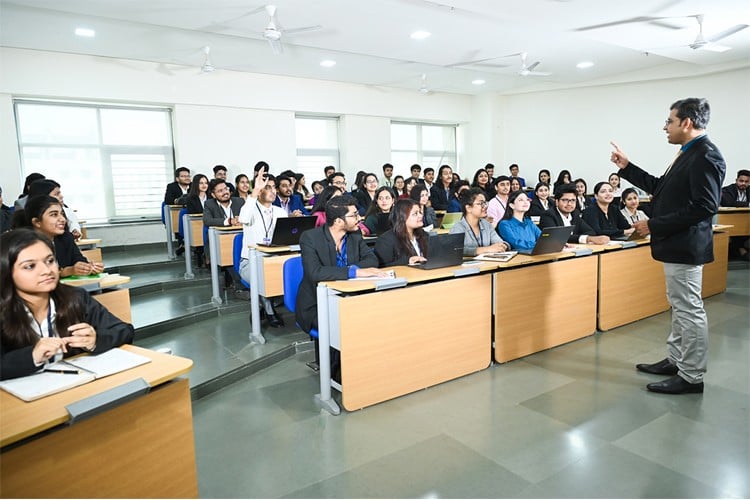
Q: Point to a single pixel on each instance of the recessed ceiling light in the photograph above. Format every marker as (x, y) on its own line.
(584, 64)
(328, 63)
(478, 81)
(420, 35)
(87, 32)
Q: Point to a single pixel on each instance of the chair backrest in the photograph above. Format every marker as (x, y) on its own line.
(180, 229)
(162, 213)
(292, 277)
(237, 251)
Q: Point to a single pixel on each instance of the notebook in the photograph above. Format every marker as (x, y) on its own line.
(289, 229)
(88, 368)
(497, 256)
(443, 250)
(450, 219)
(551, 240)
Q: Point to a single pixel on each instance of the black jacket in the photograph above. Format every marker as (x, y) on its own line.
(552, 218)
(172, 192)
(110, 332)
(612, 225)
(389, 251)
(319, 264)
(729, 197)
(66, 250)
(684, 202)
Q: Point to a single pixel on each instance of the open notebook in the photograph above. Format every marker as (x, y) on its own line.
(88, 368)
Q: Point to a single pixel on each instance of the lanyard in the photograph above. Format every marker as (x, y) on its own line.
(480, 240)
(268, 228)
(502, 205)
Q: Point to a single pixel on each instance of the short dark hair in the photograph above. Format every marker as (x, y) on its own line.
(42, 186)
(335, 174)
(501, 178)
(259, 165)
(328, 167)
(743, 172)
(387, 165)
(218, 168)
(467, 198)
(695, 108)
(283, 177)
(416, 166)
(599, 185)
(213, 183)
(489, 165)
(179, 170)
(337, 208)
(428, 170)
(288, 173)
(565, 189)
(512, 166)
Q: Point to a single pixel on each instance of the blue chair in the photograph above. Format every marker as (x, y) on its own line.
(292, 277)
(162, 213)
(236, 256)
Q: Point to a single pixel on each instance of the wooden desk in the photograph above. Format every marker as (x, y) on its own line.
(93, 254)
(116, 300)
(266, 278)
(142, 449)
(88, 243)
(737, 217)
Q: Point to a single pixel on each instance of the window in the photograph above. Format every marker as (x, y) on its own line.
(427, 144)
(317, 146)
(112, 162)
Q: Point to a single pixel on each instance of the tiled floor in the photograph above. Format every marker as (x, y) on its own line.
(575, 421)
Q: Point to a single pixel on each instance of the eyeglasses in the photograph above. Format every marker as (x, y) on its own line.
(355, 214)
(670, 121)
(567, 200)
(339, 183)
(480, 204)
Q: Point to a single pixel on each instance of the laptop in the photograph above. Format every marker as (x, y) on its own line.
(551, 240)
(443, 250)
(450, 219)
(289, 229)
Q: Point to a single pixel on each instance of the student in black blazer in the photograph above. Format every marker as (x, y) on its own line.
(604, 216)
(564, 213)
(442, 192)
(685, 198)
(177, 188)
(406, 242)
(541, 196)
(736, 195)
(215, 209)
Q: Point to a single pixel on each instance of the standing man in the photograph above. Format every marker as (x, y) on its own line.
(220, 172)
(258, 217)
(685, 198)
(387, 174)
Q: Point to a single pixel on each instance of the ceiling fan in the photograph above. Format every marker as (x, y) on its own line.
(701, 42)
(423, 89)
(528, 70)
(274, 31)
(207, 66)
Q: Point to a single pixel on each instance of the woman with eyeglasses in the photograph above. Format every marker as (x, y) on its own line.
(603, 216)
(421, 195)
(377, 218)
(517, 227)
(479, 236)
(406, 242)
(630, 206)
(365, 195)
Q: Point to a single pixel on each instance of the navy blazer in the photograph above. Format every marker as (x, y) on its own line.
(319, 264)
(685, 200)
(295, 203)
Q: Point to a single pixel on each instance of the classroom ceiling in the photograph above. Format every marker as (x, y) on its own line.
(370, 41)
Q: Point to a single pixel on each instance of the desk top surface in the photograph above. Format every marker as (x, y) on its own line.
(108, 281)
(733, 209)
(88, 241)
(21, 419)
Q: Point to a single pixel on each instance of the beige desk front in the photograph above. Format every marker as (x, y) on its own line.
(401, 352)
(739, 218)
(140, 449)
(116, 300)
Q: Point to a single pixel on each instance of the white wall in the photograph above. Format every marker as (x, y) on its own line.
(571, 129)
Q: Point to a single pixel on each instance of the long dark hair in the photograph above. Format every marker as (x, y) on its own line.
(416, 192)
(323, 197)
(14, 320)
(35, 208)
(399, 216)
(512, 199)
(374, 208)
(194, 188)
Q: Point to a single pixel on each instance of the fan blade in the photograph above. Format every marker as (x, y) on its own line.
(470, 63)
(532, 66)
(304, 29)
(490, 65)
(639, 19)
(276, 46)
(536, 73)
(726, 33)
(713, 47)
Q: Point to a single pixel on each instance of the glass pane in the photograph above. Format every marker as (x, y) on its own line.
(47, 124)
(135, 127)
(316, 133)
(138, 181)
(79, 173)
(438, 138)
(402, 161)
(312, 166)
(403, 136)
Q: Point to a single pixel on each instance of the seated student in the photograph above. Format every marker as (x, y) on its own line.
(516, 228)
(258, 217)
(319, 209)
(286, 198)
(377, 217)
(421, 195)
(177, 188)
(243, 186)
(540, 203)
(564, 213)
(222, 210)
(515, 185)
(42, 320)
(332, 252)
(51, 188)
(479, 235)
(582, 202)
(442, 191)
(482, 181)
(564, 177)
(454, 206)
(408, 186)
(220, 173)
(195, 200)
(365, 195)
(736, 195)
(45, 215)
(398, 185)
(300, 187)
(514, 175)
(544, 176)
(603, 216)
(406, 242)
(24, 196)
(630, 209)
(499, 203)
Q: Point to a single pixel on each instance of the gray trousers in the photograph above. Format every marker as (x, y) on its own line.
(687, 344)
(245, 275)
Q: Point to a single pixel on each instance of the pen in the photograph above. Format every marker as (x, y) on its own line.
(67, 372)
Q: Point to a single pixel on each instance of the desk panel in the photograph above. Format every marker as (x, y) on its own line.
(141, 449)
(226, 242)
(174, 219)
(93, 254)
(117, 302)
(631, 287)
(737, 217)
(272, 278)
(402, 352)
(715, 273)
(543, 306)
(196, 230)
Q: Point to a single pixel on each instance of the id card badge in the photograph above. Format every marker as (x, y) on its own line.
(266, 241)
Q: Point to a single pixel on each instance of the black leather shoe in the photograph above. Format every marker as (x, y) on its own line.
(675, 385)
(274, 320)
(663, 367)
